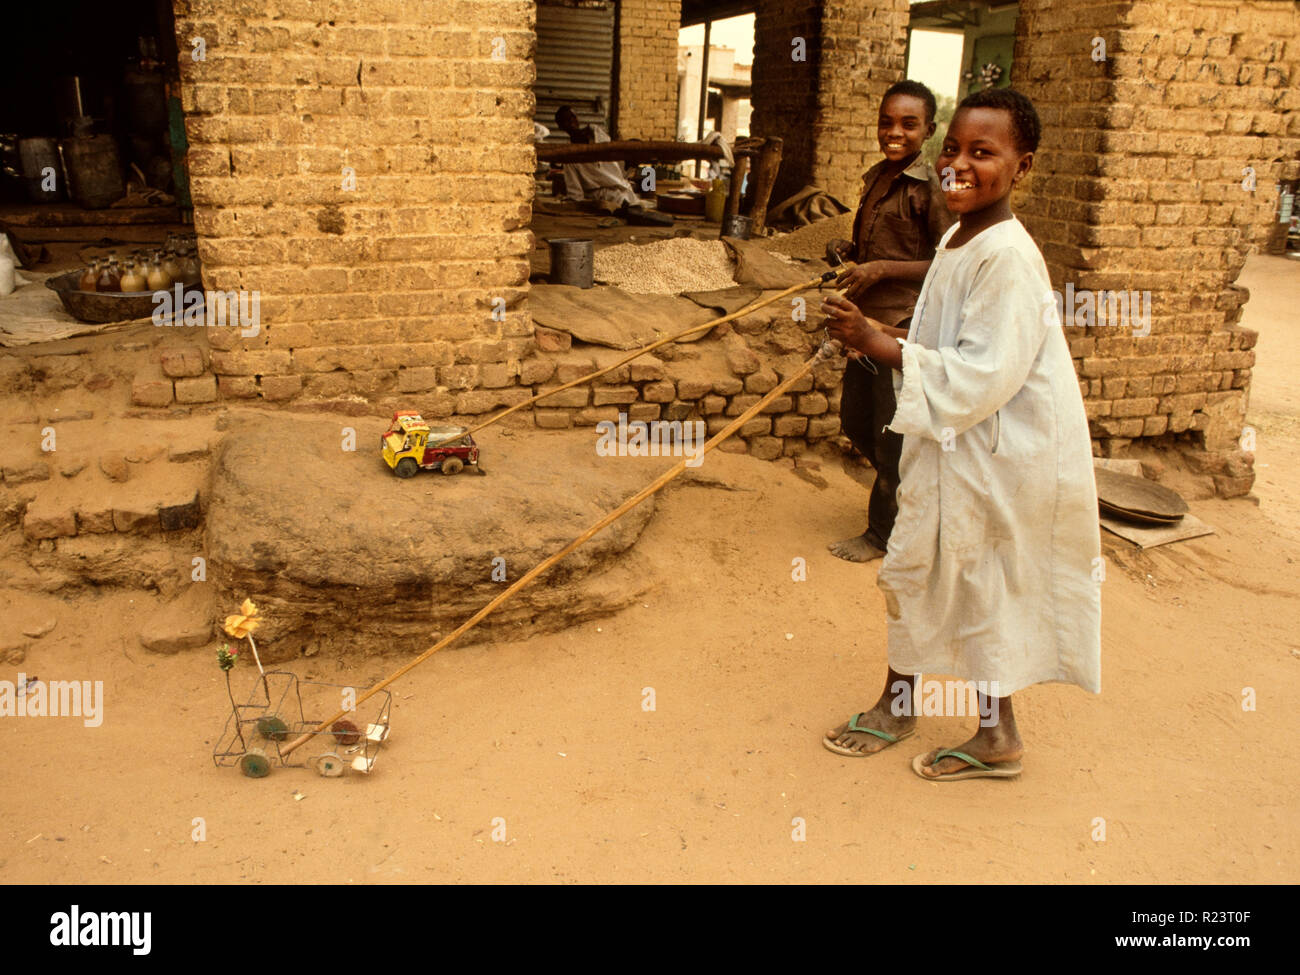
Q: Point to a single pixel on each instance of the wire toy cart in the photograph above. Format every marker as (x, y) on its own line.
(276, 712)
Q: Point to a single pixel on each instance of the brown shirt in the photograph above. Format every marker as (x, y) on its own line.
(905, 225)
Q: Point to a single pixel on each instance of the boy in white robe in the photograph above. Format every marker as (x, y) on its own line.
(992, 572)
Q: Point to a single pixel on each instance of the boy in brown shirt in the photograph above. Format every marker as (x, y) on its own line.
(899, 221)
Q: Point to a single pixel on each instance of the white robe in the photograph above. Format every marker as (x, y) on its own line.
(600, 182)
(994, 567)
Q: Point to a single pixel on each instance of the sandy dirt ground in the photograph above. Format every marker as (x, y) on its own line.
(536, 761)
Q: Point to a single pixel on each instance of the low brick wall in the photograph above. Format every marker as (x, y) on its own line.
(714, 380)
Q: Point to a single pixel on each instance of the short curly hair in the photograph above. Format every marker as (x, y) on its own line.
(1025, 125)
(916, 90)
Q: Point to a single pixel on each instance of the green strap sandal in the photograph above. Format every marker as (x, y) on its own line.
(853, 725)
(975, 768)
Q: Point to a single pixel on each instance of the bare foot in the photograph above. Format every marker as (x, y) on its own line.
(990, 745)
(880, 718)
(858, 549)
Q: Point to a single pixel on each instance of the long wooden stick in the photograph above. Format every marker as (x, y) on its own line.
(825, 352)
(751, 307)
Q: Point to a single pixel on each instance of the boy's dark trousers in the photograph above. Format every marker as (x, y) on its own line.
(866, 406)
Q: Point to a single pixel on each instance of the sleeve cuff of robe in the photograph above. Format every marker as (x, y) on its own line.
(913, 413)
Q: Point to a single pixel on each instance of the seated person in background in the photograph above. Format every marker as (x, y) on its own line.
(601, 183)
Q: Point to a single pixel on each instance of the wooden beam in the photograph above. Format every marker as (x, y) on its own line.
(623, 150)
(70, 215)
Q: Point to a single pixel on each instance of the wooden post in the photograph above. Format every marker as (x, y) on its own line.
(733, 195)
(765, 169)
(704, 90)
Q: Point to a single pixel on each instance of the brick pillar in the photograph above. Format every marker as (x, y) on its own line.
(647, 68)
(1138, 187)
(825, 106)
(784, 90)
(370, 173)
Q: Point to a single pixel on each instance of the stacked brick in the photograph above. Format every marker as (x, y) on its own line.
(713, 380)
(49, 517)
(825, 107)
(183, 379)
(1157, 173)
(647, 68)
(367, 169)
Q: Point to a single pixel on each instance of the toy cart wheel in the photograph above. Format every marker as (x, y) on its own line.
(406, 467)
(272, 728)
(255, 764)
(330, 765)
(452, 465)
(345, 732)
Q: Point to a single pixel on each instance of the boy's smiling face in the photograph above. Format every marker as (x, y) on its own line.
(902, 127)
(985, 162)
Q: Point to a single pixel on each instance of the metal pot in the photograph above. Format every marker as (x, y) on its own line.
(737, 225)
(38, 157)
(572, 261)
(94, 171)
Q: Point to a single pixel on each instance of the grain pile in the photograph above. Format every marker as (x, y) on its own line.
(666, 267)
(809, 243)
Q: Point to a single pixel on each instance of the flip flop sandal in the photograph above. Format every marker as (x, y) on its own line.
(977, 769)
(854, 726)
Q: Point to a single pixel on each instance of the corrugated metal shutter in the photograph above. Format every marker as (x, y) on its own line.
(575, 62)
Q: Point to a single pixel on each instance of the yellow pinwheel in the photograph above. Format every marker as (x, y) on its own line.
(241, 627)
(244, 622)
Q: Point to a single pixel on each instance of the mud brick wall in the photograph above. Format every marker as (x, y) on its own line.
(647, 68)
(785, 90)
(863, 48)
(713, 380)
(1139, 187)
(825, 107)
(392, 283)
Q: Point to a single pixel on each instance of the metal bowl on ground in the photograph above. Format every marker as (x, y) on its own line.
(686, 202)
(102, 307)
(1137, 499)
